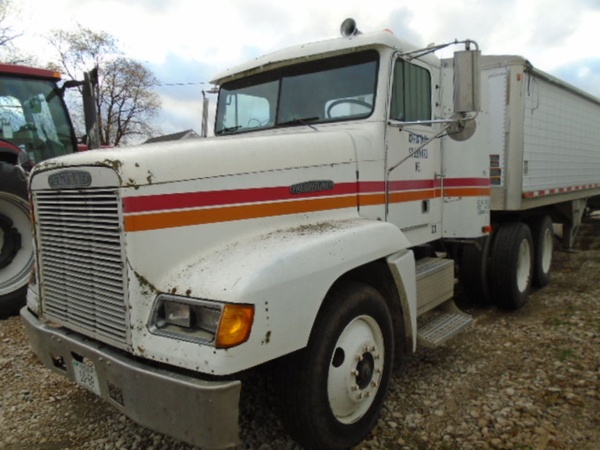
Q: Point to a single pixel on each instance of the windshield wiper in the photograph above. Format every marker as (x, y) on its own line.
(297, 121)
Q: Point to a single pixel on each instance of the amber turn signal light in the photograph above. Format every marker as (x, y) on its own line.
(235, 325)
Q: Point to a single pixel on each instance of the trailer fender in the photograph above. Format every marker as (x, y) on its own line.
(286, 273)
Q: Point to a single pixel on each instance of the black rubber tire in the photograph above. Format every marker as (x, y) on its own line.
(11, 304)
(14, 182)
(473, 272)
(511, 265)
(304, 377)
(542, 234)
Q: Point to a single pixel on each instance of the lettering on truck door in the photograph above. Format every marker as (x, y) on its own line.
(414, 187)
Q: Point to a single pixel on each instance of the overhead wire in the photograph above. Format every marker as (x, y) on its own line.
(183, 83)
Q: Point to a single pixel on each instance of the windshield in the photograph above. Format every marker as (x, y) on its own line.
(327, 90)
(33, 117)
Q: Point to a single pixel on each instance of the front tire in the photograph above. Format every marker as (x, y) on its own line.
(332, 391)
(512, 265)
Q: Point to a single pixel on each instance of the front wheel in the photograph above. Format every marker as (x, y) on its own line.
(332, 391)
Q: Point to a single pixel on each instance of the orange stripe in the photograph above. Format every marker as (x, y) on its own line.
(467, 192)
(398, 197)
(144, 222)
(371, 199)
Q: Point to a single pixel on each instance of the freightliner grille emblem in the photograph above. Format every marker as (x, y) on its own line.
(69, 179)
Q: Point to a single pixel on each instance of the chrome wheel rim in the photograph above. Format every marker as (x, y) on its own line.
(524, 266)
(356, 369)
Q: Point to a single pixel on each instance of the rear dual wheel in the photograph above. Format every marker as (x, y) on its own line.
(332, 391)
(511, 265)
(520, 256)
(473, 273)
(542, 234)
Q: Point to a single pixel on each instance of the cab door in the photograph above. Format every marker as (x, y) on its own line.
(414, 162)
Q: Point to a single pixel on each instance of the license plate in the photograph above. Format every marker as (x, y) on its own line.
(86, 376)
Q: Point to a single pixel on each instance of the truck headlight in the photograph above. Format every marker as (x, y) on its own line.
(203, 321)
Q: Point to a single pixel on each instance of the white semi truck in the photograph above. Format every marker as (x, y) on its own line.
(349, 183)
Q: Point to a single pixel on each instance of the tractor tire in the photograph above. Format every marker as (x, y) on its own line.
(16, 246)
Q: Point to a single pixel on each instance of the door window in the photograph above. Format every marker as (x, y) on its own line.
(411, 93)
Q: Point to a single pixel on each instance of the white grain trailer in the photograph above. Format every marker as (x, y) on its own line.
(543, 137)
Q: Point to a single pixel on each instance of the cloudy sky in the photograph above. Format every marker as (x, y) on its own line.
(186, 42)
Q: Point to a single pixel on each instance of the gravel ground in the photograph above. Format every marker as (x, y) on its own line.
(515, 380)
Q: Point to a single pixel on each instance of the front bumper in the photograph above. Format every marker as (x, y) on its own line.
(199, 412)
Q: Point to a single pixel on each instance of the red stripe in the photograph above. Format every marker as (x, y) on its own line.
(410, 185)
(185, 200)
(365, 187)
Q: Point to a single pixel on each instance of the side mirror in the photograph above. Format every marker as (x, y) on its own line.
(89, 108)
(467, 81)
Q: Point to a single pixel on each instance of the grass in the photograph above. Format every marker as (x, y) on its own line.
(565, 354)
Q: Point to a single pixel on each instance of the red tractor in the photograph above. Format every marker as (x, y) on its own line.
(34, 125)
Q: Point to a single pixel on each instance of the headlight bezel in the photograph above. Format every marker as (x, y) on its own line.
(201, 321)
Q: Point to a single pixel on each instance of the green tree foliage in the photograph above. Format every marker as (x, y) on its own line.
(125, 101)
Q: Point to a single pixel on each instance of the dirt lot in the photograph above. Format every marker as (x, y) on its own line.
(525, 380)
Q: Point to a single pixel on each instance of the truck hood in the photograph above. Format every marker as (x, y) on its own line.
(213, 157)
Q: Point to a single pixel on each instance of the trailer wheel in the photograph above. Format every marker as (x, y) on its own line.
(332, 391)
(16, 250)
(543, 244)
(512, 265)
(473, 272)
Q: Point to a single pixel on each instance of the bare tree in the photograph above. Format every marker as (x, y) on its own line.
(6, 33)
(125, 101)
(83, 49)
(8, 51)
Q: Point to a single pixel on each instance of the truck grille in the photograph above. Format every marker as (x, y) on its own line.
(82, 273)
